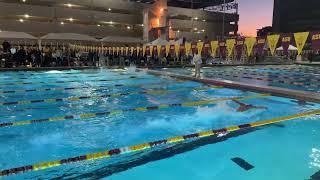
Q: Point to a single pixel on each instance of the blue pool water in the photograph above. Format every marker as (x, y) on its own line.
(285, 76)
(288, 150)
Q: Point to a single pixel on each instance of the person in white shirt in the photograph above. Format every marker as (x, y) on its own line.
(197, 62)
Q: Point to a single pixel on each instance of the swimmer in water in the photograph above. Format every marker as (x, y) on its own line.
(245, 107)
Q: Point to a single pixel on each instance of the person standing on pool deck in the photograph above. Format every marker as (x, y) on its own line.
(197, 63)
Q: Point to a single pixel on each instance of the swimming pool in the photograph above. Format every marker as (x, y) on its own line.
(51, 116)
(296, 77)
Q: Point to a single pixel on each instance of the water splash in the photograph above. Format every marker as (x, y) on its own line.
(315, 158)
(54, 72)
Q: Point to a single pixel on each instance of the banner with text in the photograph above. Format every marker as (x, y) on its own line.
(261, 41)
(315, 40)
(285, 42)
(239, 47)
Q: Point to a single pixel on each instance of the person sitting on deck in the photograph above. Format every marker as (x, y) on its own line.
(245, 107)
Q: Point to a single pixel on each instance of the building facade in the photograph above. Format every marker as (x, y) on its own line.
(100, 18)
(296, 15)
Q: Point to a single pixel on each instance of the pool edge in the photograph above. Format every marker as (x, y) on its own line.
(282, 92)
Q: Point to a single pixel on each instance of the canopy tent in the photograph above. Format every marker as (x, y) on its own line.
(18, 38)
(291, 48)
(158, 41)
(121, 39)
(16, 35)
(179, 41)
(68, 36)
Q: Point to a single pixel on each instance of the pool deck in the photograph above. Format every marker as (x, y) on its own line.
(216, 65)
(282, 92)
(307, 63)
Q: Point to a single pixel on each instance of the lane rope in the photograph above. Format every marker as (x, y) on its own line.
(59, 82)
(272, 75)
(75, 98)
(93, 88)
(300, 84)
(149, 145)
(107, 113)
(14, 80)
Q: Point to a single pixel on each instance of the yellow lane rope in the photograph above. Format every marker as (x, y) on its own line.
(149, 145)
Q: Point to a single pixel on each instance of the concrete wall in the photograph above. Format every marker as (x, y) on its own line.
(46, 16)
(181, 19)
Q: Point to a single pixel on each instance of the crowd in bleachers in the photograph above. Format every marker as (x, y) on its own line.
(56, 56)
(53, 56)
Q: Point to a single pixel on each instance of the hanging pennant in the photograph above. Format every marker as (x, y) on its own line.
(167, 49)
(188, 48)
(272, 42)
(261, 41)
(177, 49)
(214, 46)
(230, 45)
(300, 39)
(285, 42)
(199, 47)
(126, 51)
(159, 50)
(239, 47)
(144, 50)
(249, 42)
(315, 40)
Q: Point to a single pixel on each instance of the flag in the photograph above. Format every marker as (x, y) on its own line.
(272, 42)
(249, 42)
(214, 46)
(230, 45)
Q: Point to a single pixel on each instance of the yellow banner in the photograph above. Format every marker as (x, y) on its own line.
(214, 46)
(177, 49)
(230, 45)
(159, 50)
(151, 50)
(301, 38)
(167, 49)
(121, 50)
(114, 50)
(199, 47)
(273, 41)
(249, 42)
(144, 50)
(188, 48)
(131, 50)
